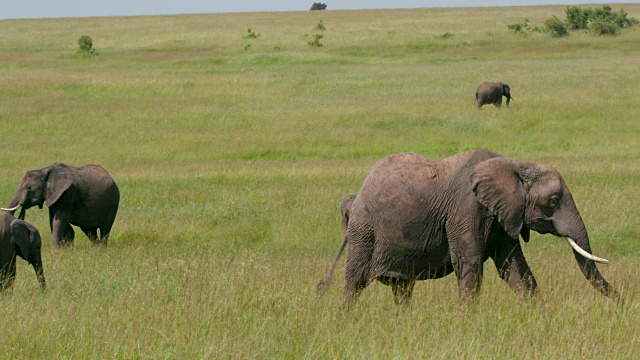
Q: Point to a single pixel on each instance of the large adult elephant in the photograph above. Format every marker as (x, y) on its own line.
(18, 238)
(415, 219)
(84, 196)
(492, 93)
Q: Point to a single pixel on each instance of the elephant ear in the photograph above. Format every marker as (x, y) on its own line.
(58, 181)
(21, 237)
(498, 187)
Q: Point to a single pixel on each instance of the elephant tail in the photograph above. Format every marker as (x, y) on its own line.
(323, 284)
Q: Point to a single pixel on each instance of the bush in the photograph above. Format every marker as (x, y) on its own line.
(252, 34)
(316, 40)
(604, 13)
(520, 28)
(622, 20)
(577, 18)
(86, 45)
(321, 26)
(555, 27)
(601, 21)
(603, 27)
(318, 6)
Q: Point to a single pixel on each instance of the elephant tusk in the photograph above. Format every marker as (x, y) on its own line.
(11, 209)
(580, 251)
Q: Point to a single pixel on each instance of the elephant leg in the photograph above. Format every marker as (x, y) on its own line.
(92, 233)
(498, 103)
(467, 246)
(67, 236)
(512, 266)
(358, 264)
(469, 274)
(355, 279)
(61, 231)
(104, 234)
(402, 290)
(8, 274)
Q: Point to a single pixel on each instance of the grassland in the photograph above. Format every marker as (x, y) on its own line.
(232, 164)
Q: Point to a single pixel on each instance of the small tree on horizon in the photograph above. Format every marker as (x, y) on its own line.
(318, 6)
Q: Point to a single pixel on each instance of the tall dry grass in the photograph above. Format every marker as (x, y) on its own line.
(232, 164)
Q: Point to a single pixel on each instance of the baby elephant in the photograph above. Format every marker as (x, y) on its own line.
(18, 238)
(491, 93)
(345, 210)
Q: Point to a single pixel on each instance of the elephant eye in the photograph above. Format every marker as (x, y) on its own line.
(554, 201)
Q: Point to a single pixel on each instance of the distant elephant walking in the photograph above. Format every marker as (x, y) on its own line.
(491, 93)
(18, 238)
(85, 196)
(415, 219)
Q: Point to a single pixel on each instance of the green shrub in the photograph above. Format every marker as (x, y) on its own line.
(601, 21)
(318, 6)
(321, 26)
(316, 40)
(86, 45)
(604, 13)
(577, 18)
(555, 27)
(520, 28)
(603, 27)
(252, 34)
(622, 20)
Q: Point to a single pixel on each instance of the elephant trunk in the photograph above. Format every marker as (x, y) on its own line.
(40, 275)
(18, 200)
(573, 229)
(590, 270)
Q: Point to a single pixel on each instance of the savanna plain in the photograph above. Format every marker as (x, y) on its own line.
(232, 155)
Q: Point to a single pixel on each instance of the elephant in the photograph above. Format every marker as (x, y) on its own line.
(18, 238)
(85, 196)
(491, 93)
(345, 210)
(416, 219)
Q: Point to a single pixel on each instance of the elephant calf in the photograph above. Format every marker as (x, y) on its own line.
(417, 219)
(491, 93)
(18, 238)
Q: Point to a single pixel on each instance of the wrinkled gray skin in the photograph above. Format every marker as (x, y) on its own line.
(345, 210)
(491, 93)
(415, 219)
(86, 197)
(18, 238)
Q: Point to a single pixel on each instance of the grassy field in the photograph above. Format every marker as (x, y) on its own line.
(232, 156)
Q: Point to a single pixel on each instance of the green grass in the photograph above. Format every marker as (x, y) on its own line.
(232, 164)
